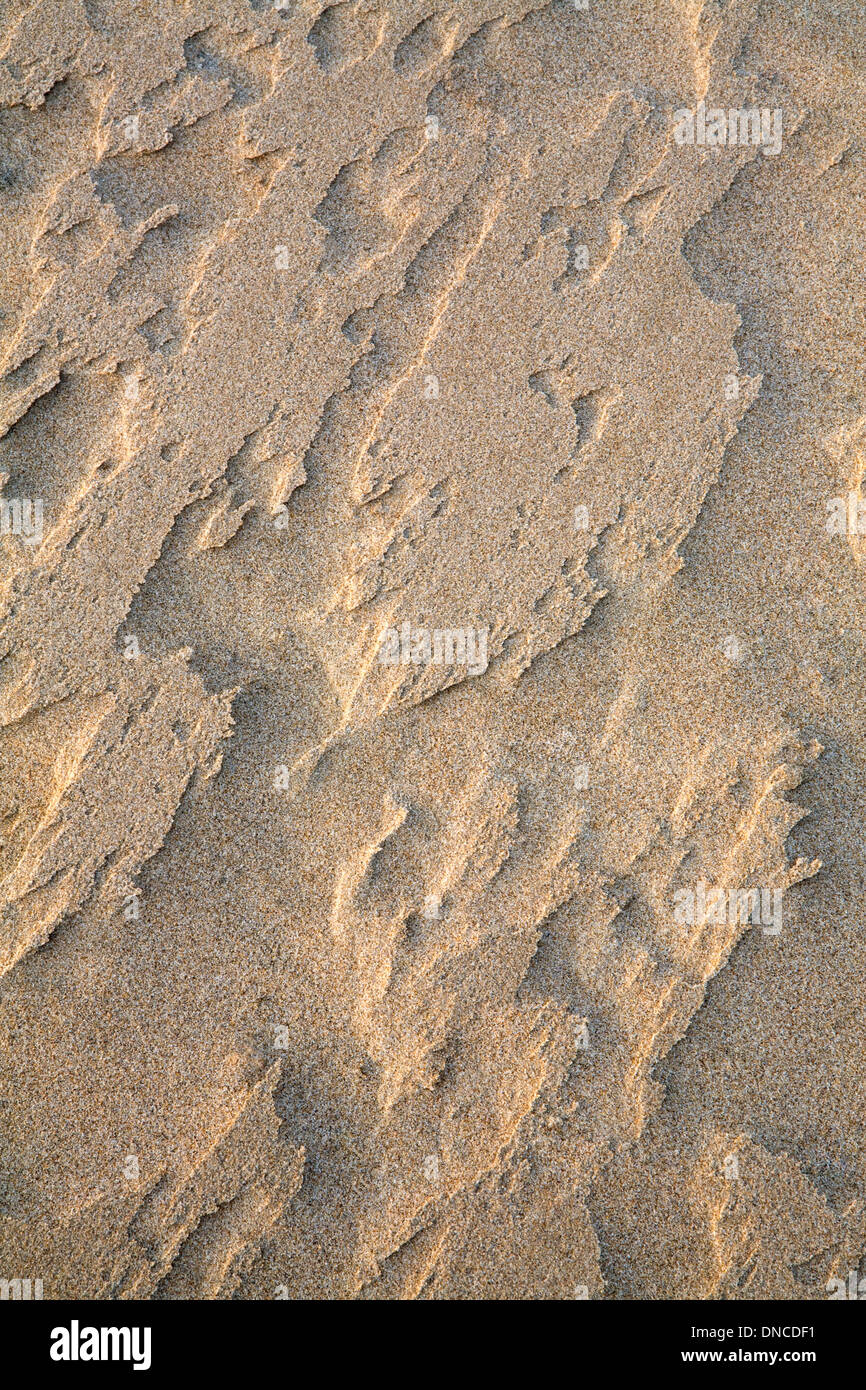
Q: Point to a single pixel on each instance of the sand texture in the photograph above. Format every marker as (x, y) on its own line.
(432, 718)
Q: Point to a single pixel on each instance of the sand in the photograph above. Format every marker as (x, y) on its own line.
(431, 702)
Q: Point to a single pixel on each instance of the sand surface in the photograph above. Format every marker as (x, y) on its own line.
(432, 719)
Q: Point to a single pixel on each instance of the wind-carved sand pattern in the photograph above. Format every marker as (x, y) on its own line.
(431, 664)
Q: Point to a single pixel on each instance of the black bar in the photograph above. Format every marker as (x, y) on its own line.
(611, 1336)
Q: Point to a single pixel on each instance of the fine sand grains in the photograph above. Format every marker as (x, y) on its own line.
(431, 666)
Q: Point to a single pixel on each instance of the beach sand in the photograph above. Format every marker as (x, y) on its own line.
(432, 704)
